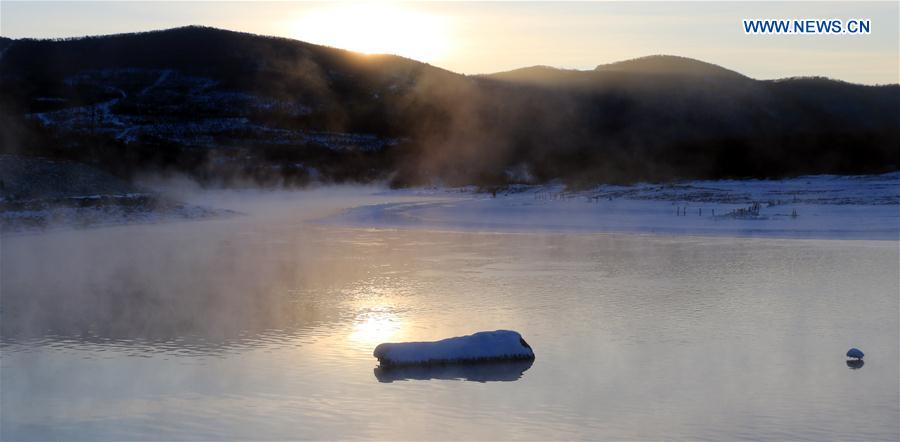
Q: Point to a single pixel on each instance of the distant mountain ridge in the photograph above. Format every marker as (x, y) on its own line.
(662, 65)
(226, 106)
(670, 65)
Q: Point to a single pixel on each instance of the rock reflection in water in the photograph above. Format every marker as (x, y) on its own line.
(855, 364)
(506, 371)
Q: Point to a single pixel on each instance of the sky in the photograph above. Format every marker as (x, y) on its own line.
(486, 37)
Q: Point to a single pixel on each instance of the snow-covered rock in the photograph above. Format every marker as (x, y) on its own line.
(499, 345)
(855, 353)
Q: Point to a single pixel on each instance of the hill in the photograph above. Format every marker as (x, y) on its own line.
(227, 107)
(639, 68)
(669, 65)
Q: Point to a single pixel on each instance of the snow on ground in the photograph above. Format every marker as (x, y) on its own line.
(221, 114)
(496, 345)
(825, 206)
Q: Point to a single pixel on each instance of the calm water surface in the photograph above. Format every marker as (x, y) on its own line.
(264, 330)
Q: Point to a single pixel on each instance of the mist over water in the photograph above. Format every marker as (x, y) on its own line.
(262, 326)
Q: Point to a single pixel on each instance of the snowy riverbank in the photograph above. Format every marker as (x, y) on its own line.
(832, 207)
(824, 207)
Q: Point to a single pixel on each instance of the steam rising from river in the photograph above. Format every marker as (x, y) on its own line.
(212, 279)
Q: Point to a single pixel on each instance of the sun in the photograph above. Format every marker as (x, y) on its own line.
(377, 28)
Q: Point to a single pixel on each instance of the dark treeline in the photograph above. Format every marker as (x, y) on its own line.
(224, 106)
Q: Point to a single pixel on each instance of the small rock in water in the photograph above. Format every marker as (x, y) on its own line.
(855, 353)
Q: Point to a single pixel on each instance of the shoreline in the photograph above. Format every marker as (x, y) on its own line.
(812, 207)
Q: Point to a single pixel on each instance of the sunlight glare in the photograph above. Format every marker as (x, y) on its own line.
(375, 327)
(377, 28)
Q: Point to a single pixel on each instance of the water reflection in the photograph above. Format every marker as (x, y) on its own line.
(375, 326)
(482, 372)
(855, 364)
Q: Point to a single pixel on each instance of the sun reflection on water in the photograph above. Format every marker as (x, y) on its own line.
(375, 326)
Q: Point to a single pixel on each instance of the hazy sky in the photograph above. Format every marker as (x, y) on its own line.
(476, 37)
